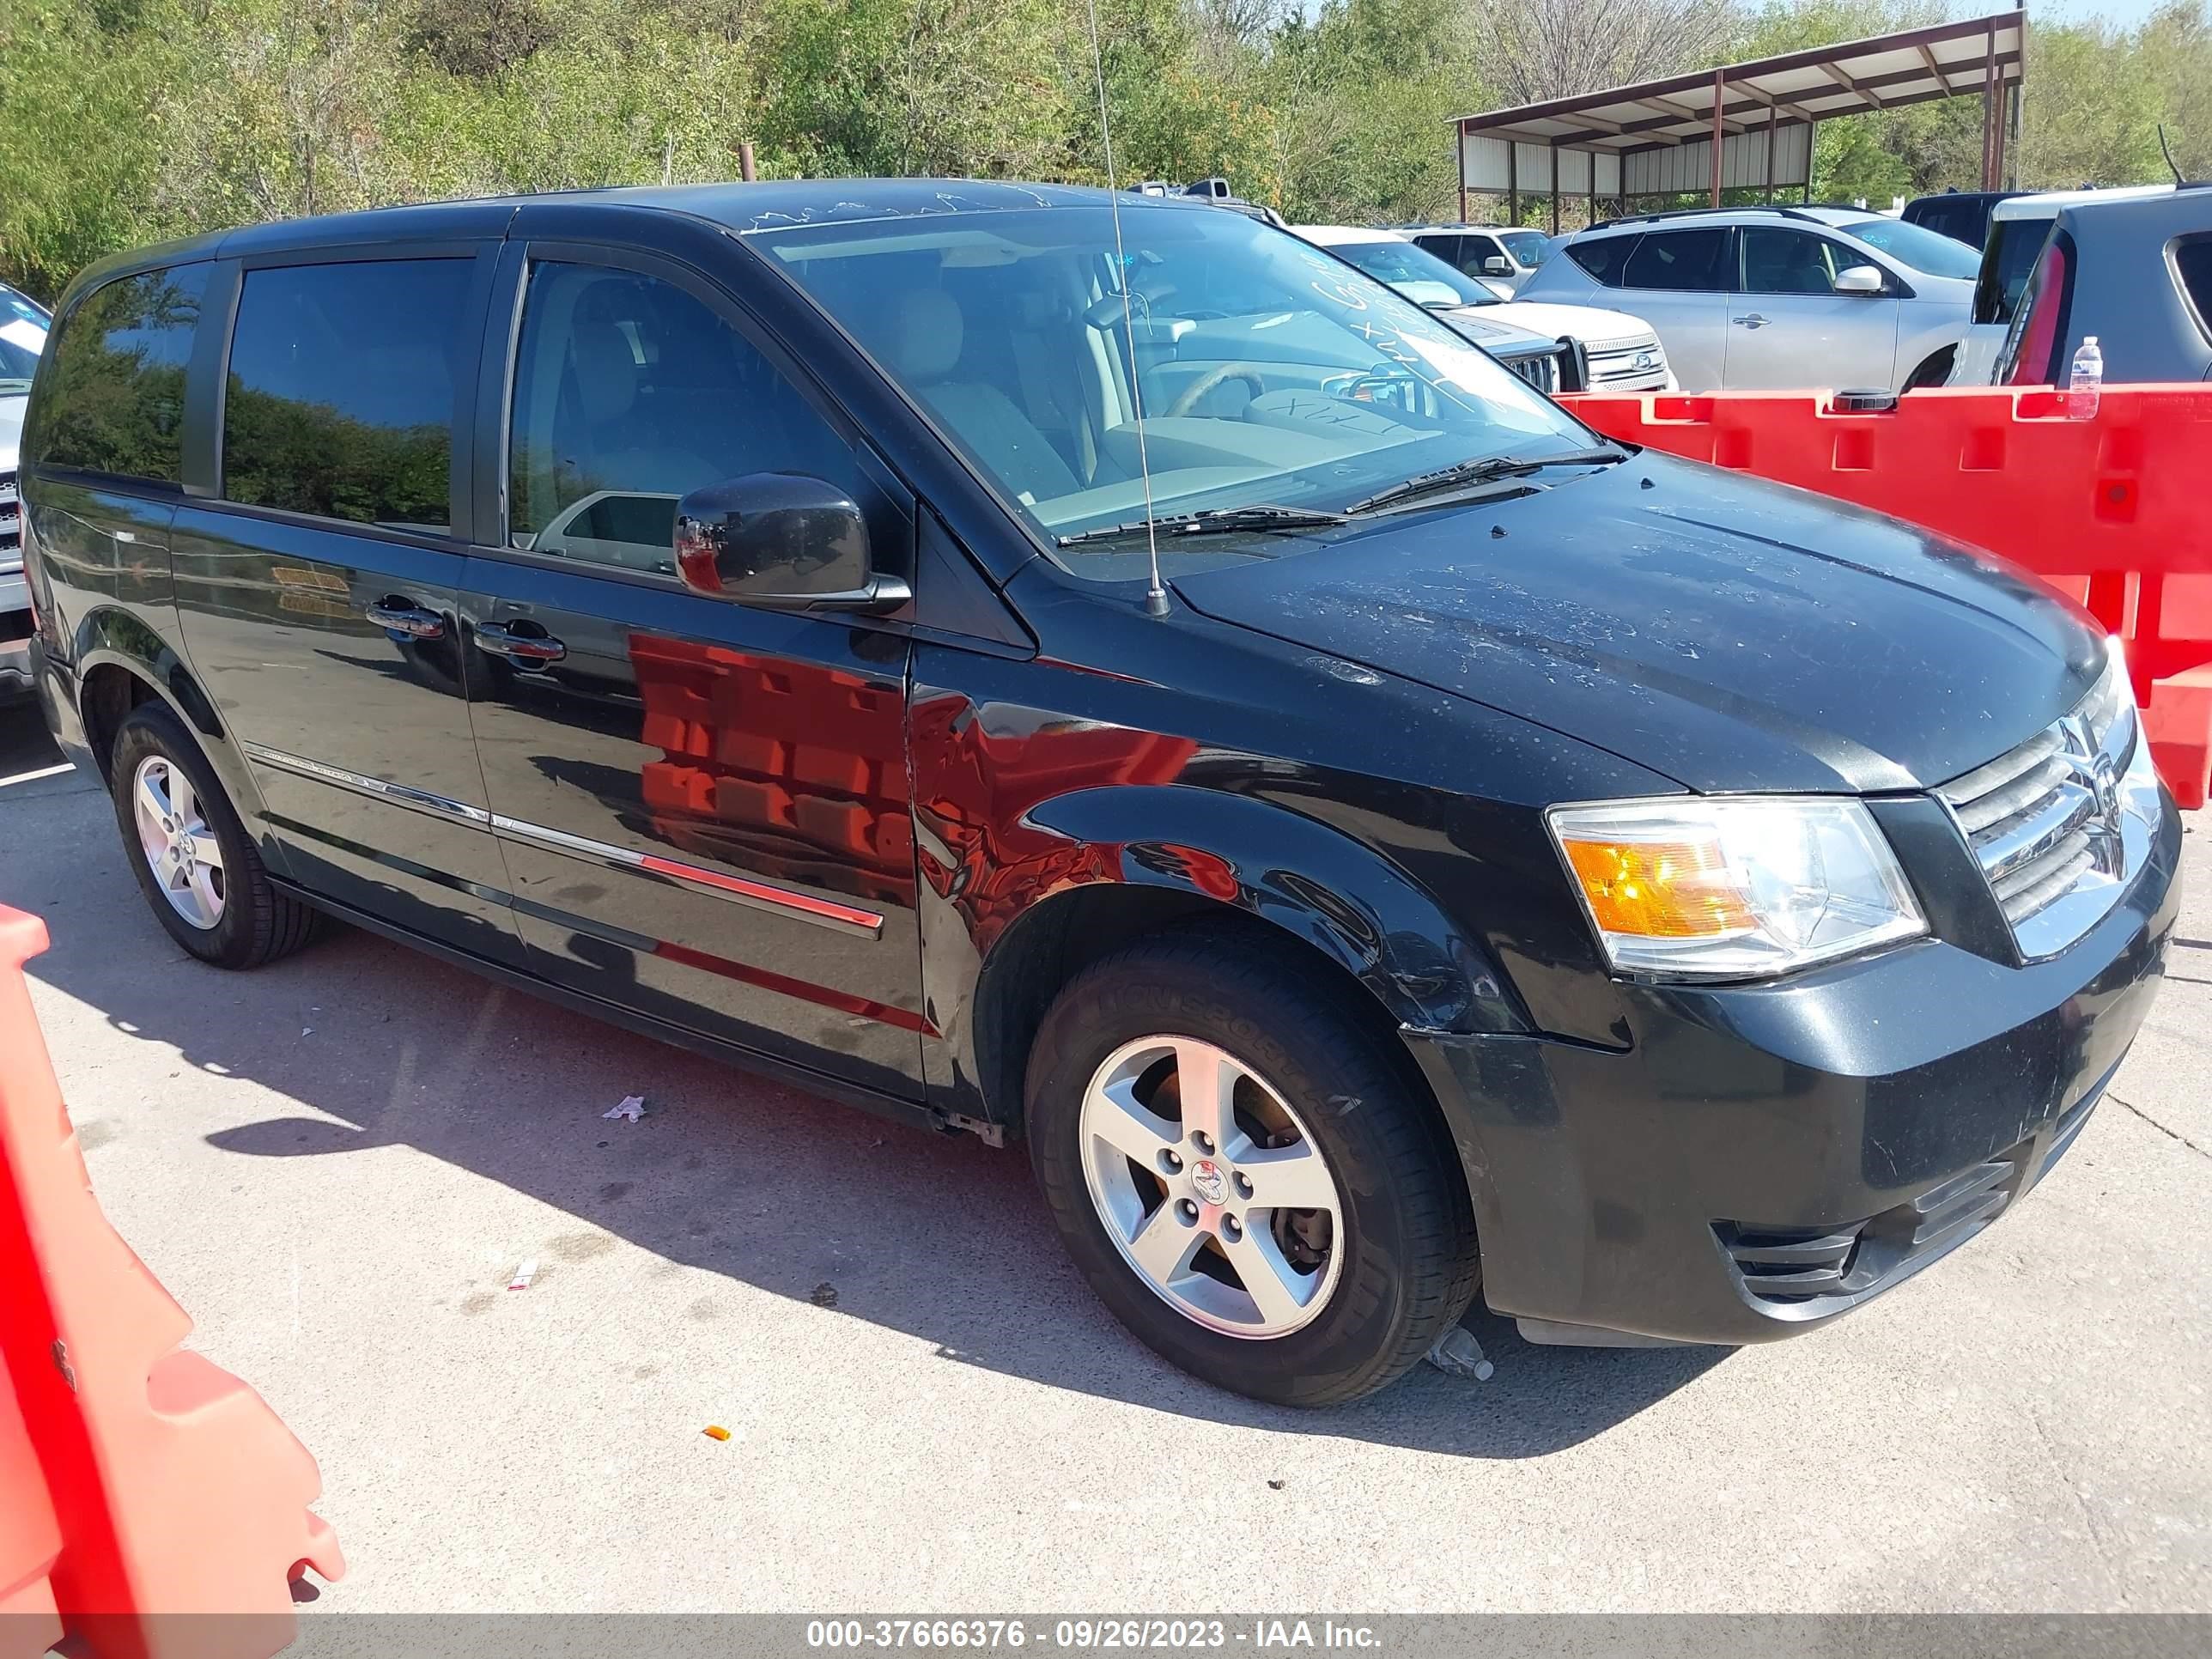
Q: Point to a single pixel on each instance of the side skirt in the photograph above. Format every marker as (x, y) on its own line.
(909, 1112)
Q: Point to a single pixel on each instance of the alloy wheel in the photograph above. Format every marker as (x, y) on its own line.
(1211, 1187)
(178, 843)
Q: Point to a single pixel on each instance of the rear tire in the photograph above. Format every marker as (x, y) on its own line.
(1399, 1265)
(198, 868)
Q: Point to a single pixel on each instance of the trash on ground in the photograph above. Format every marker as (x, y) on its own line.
(523, 1275)
(716, 1431)
(823, 1295)
(1458, 1353)
(631, 1107)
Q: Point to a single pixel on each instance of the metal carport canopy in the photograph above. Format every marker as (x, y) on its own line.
(1741, 126)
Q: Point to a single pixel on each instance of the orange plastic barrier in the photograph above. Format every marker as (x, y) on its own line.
(141, 1488)
(2116, 512)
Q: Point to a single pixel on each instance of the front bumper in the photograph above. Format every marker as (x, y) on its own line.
(1761, 1159)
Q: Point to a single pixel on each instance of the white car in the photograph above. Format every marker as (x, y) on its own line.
(1624, 352)
(1506, 256)
(1777, 298)
(22, 337)
(2018, 225)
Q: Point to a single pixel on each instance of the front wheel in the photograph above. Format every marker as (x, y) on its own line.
(1248, 1179)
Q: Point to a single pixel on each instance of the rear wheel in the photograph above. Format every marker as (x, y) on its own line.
(196, 865)
(1247, 1178)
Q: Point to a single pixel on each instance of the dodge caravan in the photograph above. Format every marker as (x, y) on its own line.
(1100, 671)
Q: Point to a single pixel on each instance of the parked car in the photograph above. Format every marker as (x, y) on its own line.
(2018, 225)
(1964, 216)
(2137, 273)
(1509, 255)
(1623, 353)
(1777, 297)
(22, 336)
(1370, 836)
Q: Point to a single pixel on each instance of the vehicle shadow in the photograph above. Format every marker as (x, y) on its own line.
(940, 1237)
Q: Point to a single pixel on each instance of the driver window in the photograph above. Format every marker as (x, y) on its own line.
(629, 393)
(1787, 262)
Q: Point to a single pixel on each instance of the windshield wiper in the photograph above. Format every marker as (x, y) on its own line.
(1213, 520)
(1488, 470)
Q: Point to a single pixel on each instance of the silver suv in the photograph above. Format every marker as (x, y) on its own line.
(22, 336)
(1777, 296)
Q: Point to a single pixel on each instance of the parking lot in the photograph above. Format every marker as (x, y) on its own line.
(337, 1165)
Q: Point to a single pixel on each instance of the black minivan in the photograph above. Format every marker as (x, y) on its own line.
(1101, 671)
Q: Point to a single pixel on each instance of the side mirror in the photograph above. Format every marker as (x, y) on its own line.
(1496, 265)
(783, 541)
(1861, 279)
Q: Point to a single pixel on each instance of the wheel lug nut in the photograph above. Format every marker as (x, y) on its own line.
(1170, 1161)
(1231, 1229)
(1244, 1184)
(1185, 1212)
(1202, 1140)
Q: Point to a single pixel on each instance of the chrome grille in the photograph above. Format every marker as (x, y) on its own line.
(11, 525)
(1615, 364)
(1540, 372)
(2060, 823)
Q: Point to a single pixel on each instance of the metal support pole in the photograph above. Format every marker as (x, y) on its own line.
(1989, 113)
(1772, 119)
(1555, 186)
(1720, 98)
(1512, 181)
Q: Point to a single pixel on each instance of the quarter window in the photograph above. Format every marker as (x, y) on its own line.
(629, 394)
(2192, 263)
(113, 397)
(1604, 257)
(1680, 260)
(342, 389)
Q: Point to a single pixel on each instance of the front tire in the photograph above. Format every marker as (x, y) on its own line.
(1178, 1085)
(199, 870)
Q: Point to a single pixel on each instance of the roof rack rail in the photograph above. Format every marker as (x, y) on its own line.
(1775, 208)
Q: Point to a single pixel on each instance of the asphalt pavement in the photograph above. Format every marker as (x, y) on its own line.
(337, 1165)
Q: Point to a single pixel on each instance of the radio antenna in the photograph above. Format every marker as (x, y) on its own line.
(1156, 595)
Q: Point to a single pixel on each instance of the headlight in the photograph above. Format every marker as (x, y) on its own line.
(1734, 887)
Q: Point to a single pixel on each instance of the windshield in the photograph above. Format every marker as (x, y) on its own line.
(1530, 247)
(22, 335)
(1393, 261)
(1267, 372)
(1926, 251)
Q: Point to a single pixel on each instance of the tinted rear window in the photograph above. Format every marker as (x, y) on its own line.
(2192, 263)
(341, 390)
(1603, 257)
(1680, 260)
(2007, 258)
(113, 397)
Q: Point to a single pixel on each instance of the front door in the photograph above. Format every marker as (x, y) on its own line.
(703, 806)
(318, 596)
(1788, 327)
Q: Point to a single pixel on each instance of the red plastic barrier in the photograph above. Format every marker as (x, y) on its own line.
(2115, 512)
(140, 1486)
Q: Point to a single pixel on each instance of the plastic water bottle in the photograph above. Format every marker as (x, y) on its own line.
(2089, 379)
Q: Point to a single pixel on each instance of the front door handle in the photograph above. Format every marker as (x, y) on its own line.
(1753, 321)
(403, 615)
(501, 640)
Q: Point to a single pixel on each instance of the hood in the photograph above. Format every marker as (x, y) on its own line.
(11, 429)
(1595, 328)
(1730, 634)
(1483, 325)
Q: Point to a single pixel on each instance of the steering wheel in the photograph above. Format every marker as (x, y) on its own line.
(1187, 399)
